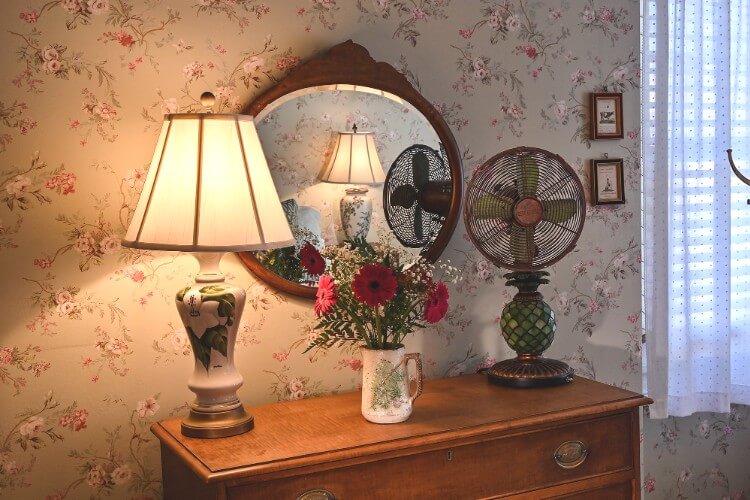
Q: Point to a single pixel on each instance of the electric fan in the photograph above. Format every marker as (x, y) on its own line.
(417, 195)
(524, 210)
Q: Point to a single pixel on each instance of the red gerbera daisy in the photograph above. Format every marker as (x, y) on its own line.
(437, 303)
(311, 260)
(326, 296)
(374, 285)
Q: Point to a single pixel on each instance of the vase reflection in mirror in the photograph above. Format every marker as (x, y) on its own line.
(209, 191)
(355, 161)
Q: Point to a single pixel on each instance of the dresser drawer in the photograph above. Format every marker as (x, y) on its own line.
(492, 467)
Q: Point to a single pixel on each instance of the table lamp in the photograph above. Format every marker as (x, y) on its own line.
(209, 191)
(355, 161)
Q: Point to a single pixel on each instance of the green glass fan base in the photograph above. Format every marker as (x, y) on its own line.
(530, 371)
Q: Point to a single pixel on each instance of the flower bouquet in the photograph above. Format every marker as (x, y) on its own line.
(369, 296)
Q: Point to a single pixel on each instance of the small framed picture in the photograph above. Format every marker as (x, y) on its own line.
(606, 116)
(608, 181)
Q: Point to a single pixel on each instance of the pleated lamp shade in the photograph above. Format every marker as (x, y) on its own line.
(354, 160)
(208, 190)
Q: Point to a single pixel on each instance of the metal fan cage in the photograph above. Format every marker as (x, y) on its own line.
(502, 175)
(402, 220)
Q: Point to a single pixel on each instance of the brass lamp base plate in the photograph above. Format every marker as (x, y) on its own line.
(530, 371)
(217, 424)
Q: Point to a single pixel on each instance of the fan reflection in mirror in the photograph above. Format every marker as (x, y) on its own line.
(300, 134)
(417, 195)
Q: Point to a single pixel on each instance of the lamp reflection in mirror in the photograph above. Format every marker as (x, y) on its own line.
(209, 191)
(355, 161)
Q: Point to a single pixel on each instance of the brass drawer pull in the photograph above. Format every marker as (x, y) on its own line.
(571, 454)
(317, 494)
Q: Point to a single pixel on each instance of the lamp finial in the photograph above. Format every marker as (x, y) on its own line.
(208, 100)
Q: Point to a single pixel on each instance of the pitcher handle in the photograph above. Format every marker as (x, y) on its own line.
(414, 356)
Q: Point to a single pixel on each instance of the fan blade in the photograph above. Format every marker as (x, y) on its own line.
(420, 169)
(509, 191)
(404, 196)
(529, 179)
(522, 243)
(559, 210)
(491, 206)
(418, 232)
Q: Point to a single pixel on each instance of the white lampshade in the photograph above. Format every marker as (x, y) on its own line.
(354, 160)
(208, 190)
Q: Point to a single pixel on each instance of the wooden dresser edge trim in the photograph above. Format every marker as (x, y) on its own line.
(193, 462)
(374, 452)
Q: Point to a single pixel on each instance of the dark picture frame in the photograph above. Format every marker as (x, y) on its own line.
(608, 181)
(606, 115)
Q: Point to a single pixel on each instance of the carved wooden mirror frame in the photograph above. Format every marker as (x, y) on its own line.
(350, 63)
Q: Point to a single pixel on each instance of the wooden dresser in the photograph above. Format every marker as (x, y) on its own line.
(465, 439)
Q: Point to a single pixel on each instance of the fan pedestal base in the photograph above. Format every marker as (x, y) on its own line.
(530, 371)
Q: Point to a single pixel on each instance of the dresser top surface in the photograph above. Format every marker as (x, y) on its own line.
(304, 432)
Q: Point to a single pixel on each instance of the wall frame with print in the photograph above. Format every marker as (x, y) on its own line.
(606, 116)
(607, 181)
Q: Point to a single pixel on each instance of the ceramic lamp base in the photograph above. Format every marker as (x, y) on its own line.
(211, 310)
(217, 424)
(530, 371)
(356, 213)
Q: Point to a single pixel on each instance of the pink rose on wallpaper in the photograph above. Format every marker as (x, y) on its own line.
(64, 183)
(280, 356)
(561, 110)
(287, 62)
(110, 244)
(554, 14)
(97, 477)
(193, 70)
(121, 474)
(354, 364)
(606, 15)
(633, 318)
(18, 185)
(50, 53)
(72, 6)
(29, 17)
(253, 64)
(53, 66)
(169, 105)
(633, 134)
(512, 23)
(31, 426)
(62, 296)
(515, 112)
(147, 408)
(104, 110)
(85, 244)
(326, 4)
(496, 19)
(6, 356)
(98, 6)
(466, 34)
(620, 73)
(75, 420)
(649, 484)
(135, 274)
(418, 13)
(487, 362)
(578, 76)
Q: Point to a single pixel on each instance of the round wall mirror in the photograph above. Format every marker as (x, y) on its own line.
(355, 152)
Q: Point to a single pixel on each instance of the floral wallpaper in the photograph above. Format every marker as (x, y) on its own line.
(92, 351)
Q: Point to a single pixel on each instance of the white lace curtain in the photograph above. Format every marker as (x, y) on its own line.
(696, 223)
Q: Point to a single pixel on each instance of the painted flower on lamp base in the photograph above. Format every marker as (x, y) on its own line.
(356, 212)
